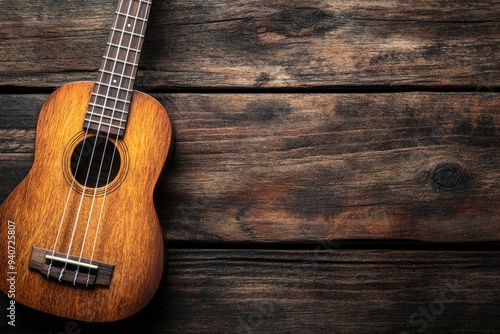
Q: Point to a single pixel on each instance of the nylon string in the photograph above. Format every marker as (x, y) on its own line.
(71, 190)
(99, 83)
(108, 135)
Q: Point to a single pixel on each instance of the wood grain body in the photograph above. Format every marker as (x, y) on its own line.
(129, 235)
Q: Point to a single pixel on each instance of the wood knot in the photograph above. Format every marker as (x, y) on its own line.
(450, 176)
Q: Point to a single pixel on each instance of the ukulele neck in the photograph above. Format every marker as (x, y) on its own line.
(107, 112)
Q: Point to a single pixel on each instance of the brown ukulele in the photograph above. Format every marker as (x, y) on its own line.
(80, 237)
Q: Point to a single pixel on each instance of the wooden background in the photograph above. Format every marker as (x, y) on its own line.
(336, 165)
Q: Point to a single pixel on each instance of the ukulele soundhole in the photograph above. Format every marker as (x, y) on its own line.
(95, 162)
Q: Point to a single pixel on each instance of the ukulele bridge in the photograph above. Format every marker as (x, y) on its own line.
(69, 268)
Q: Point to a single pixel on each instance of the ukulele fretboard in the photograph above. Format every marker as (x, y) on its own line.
(112, 93)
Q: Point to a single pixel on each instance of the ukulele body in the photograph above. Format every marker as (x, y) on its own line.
(116, 224)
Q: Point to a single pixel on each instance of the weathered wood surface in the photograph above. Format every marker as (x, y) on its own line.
(295, 168)
(260, 43)
(298, 168)
(315, 291)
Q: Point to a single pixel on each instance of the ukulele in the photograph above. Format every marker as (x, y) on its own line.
(80, 236)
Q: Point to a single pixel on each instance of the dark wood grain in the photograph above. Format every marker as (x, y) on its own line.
(257, 44)
(315, 291)
(278, 170)
(298, 168)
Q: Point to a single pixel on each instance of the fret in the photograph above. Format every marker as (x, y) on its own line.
(114, 53)
(107, 105)
(112, 93)
(129, 24)
(99, 119)
(117, 74)
(126, 90)
(139, 8)
(120, 61)
(135, 2)
(148, 3)
(116, 80)
(131, 16)
(123, 47)
(129, 42)
(112, 118)
(110, 98)
(112, 110)
(128, 33)
(119, 68)
(119, 127)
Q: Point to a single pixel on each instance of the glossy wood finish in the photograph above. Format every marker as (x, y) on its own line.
(129, 234)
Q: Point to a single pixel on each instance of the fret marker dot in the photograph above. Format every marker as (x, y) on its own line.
(114, 81)
(129, 25)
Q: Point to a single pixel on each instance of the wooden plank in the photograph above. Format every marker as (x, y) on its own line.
(309, 291)
(257, 43)
(302, 167)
